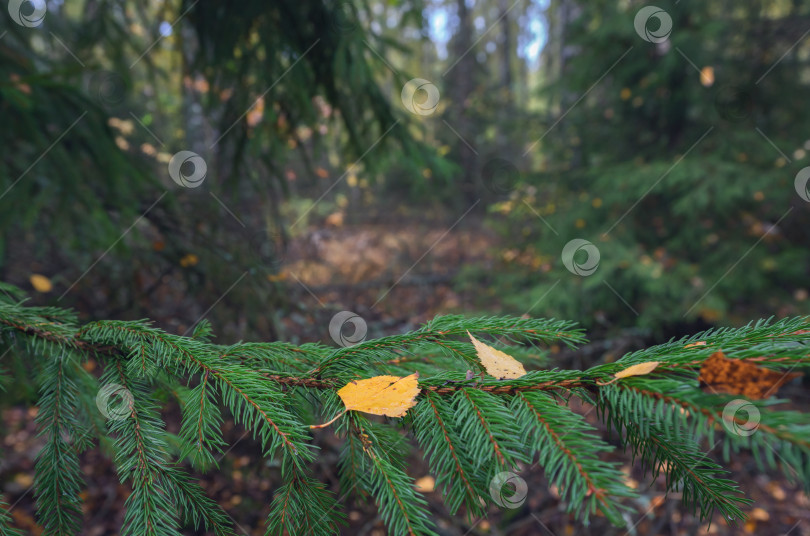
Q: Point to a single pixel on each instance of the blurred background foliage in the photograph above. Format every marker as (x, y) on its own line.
(556, 121)
(679, 165)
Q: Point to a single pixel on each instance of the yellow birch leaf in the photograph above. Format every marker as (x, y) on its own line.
(40, 283)
(498, 364)
(639, 369)
(381, 395)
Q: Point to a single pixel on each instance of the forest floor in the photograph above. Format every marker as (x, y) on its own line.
(396, 277)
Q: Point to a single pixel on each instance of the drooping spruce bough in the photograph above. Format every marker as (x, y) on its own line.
(469, 430)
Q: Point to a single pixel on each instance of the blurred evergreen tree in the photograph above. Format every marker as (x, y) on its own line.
(96, 98)
(676, 158)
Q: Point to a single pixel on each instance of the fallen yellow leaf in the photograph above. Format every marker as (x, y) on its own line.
(24, 480)
(426, 484)
(760, 514)
(639, 369)
(40, 283)
(335, 219)
(381, 395)
(498, 364)
(189, 259)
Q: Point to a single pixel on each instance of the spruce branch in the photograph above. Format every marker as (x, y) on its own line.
(304, 506)
(201, 426)
(780, 438)
(690, 470)
(403, 509)
(252, 400)
(470, 426)
(568, 450)
(5, 521)
(440, 332)
(141, 458)
(196, 509)
(58, 480)
(489, 430)
(448, 455)
(662, 435)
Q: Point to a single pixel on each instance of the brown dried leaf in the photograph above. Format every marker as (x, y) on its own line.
(738, 377)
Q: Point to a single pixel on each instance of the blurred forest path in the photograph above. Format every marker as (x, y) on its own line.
(396, 275)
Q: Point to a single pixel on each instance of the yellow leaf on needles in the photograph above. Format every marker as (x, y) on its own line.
(498, 364)
(381, 395)
(639, 369)
(40, 283)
